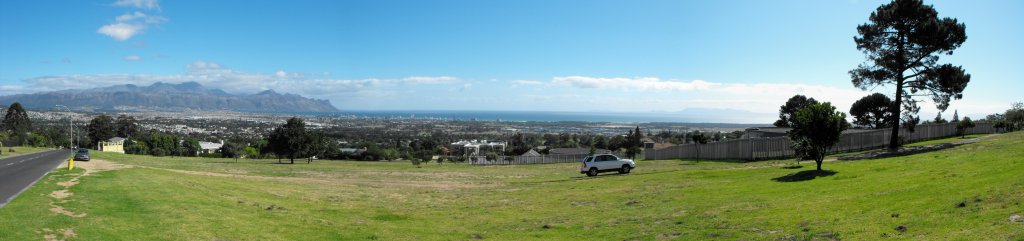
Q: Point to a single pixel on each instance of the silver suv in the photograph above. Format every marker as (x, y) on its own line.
(605, 163)
(82, 155)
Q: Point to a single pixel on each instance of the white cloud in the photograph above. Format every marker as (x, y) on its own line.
(462, 88)
(676, 95)
(144, 4)
(130, 24)
(517, 83)
(133, 58)
(141, 17)
(121, 31)
(281, 74)
(642, 83)
(429, 79)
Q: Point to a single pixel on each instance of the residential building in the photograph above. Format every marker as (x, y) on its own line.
(115, 144)
(475, 147)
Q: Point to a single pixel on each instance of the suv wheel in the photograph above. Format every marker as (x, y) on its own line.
(592, 172)
(624, 169)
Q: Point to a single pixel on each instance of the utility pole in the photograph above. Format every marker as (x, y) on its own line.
(71, 125)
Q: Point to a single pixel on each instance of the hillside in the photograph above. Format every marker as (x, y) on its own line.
(969, 192)
(188, 96)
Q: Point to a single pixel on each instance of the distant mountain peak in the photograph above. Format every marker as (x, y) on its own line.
(162, 96)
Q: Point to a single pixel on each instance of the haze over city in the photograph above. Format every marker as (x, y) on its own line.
(638, 57)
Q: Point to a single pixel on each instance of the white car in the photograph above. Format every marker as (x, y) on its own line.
(605, 163)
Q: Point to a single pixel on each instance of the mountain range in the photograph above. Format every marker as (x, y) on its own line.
(187, 96)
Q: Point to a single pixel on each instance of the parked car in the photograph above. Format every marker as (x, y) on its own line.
(592, 165)
(82, 155)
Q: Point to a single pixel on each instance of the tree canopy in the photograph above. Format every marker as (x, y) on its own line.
(101, 128)
(1015, 116)
(872, 111)
(126, 126)
(816, 128)
(963, 125)
(634, 143)
(293, 141)
(939, 120)
(792, 106)
(902, 42)
(16, 121)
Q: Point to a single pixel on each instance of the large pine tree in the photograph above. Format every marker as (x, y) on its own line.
(903, 42)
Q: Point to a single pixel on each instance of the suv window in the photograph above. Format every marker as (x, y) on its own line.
(588, 159)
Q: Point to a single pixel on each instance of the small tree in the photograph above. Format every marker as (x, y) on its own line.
(634, 143)
(1015, 117)
(956, 116)
(872, 111)
(17, 122)
(939, 120)
(792, 105)
(963, 125)
(317, 145)
(290, 140)
(698, 139)
(231, 150)
(816, 128)
(190, 147)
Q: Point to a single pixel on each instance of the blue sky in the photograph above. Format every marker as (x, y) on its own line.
(616, 56)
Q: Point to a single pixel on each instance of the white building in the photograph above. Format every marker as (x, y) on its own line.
(210, 147)
(473, 147)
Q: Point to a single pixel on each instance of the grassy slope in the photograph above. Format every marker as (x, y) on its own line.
(662, 199)
(21, 150)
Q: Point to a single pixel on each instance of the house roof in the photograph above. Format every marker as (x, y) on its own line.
(352, 150)
(115, 139)
(575, 151)
(210, 145)
(531, 152)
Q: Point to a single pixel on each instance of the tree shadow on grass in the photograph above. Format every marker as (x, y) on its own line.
(793, 167)
(804, 176)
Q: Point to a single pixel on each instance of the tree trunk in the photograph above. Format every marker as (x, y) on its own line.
(293, 160)
(894, 138)
(819, 163)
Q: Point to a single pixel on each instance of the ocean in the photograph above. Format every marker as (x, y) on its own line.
(545, 116)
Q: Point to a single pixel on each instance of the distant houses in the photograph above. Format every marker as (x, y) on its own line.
(770, 132)
(115, 144)
(576, 151)
(531, 152)
(210, 147)
(476, 147)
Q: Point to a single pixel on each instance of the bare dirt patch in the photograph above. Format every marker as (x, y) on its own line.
(60, 194)
(60, 210)
(90, 167)
(51, 235)
(97, 165)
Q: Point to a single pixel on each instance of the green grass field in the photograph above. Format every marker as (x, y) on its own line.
(20, 150)
(965, 193)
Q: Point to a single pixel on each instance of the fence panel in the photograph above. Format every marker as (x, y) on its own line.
(780, 147)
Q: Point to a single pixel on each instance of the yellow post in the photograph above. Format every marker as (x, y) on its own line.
(71, 164)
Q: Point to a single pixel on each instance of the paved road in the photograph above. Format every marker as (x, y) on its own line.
(19, 173)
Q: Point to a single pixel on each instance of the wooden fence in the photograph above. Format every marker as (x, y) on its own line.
(519, 160)
(779, 147)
